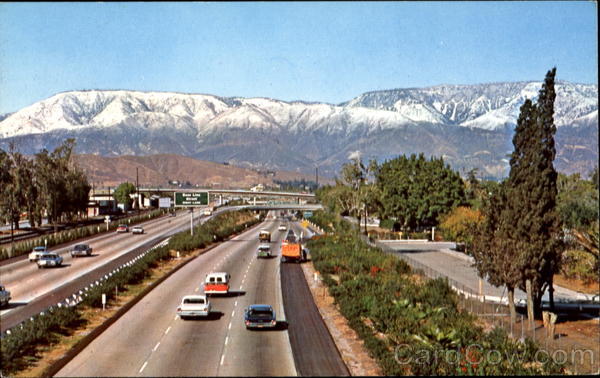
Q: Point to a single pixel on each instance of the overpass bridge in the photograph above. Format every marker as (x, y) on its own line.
(261, 200)
(235, 192)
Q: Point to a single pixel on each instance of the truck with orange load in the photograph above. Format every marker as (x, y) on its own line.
(292, 252)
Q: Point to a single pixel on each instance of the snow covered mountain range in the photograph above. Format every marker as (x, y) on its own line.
(470, 125)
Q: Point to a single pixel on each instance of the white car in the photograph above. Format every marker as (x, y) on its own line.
(49, 260)
(193, 306)
(37, 252)
(4, 296)
(282, 227)
(137, 230)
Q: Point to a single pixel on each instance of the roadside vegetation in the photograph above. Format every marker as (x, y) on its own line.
(51, 185)
(522, 231)
(411, 325)
(21, 346)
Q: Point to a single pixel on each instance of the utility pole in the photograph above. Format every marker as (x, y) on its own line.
(192, 221)
(137, 186)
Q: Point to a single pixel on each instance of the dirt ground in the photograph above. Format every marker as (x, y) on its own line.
(351, 347)
(577, 285)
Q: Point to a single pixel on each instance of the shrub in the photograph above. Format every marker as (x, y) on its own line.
(460, 224)
(388, 308)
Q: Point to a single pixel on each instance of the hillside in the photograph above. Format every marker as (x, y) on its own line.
(157, 170)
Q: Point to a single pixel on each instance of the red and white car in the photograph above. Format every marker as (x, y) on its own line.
(217, 283)
(122, 228)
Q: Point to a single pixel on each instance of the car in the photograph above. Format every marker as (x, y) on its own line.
(217, 283)
(290, 237)
(282, 227)
(173, 214)
(264, 236)
(49, 260)
(37, 252)
(259, 316)
(194, 306)
(137, 230)
(264, 250)
(81, 250)
(207, 212)
(4, 296)
(122, 228)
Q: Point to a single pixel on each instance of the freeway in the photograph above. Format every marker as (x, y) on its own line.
(150, 340)
(27, 283)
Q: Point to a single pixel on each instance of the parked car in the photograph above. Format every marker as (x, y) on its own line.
(4, 296)
(49, 260)
(37, 252)
(193, 306)
(259, 316)
(122, 228)
(81, 250)
(137, 230)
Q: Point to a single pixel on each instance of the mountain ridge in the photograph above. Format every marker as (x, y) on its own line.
(266, 133)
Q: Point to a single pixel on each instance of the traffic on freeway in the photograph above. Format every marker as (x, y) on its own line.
(27, 283)
(152, 340)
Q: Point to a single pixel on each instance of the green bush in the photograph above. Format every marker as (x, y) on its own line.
(21, 344)
(388, 309)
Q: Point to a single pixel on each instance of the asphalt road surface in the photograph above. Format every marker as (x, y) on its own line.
(150, 340)
(28, 284)
(314, 350)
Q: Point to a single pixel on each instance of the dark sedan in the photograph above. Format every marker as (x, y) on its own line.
(259, 316)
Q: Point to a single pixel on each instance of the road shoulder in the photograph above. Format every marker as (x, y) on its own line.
(350, 346)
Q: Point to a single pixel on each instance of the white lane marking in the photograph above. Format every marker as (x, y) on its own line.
(197, 289)
(143, 366)
(241, 287)
(226, 340)
(235, 304)
(232, 313)
(229, 327)
(176, 317)
(222, 359)
(156, 347)
(167, 331)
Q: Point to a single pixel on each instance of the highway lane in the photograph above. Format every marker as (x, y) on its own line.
(150, 340)
(315, 352)
(26, 282)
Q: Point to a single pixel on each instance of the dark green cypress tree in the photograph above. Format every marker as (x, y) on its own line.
(532, 195)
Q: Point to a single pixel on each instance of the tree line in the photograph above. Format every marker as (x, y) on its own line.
(515, 228)
(49, 184)
(412, 192)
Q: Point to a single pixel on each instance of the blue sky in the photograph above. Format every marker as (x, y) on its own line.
(313, 51)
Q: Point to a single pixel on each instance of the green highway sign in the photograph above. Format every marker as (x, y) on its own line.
(187, 199)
